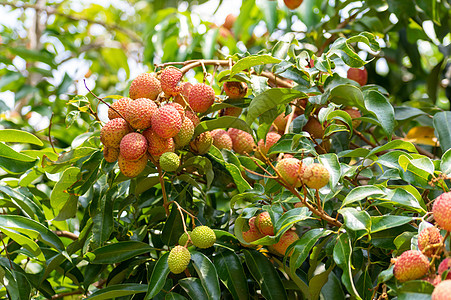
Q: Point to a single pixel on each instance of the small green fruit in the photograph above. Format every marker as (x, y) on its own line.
(184, 238)
(169, 161)
(203, 237)
(178, 259)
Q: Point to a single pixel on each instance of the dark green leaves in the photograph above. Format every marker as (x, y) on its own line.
(231, 273)
(158, 278)
(118, 252)
(207, 274)
(442, 125)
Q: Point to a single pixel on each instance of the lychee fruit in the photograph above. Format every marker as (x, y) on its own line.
(410, 265)
(292, 4)
(132, 168)
(119, 106)
(229, 20)
(113, 131)
(169, 161)
(288, 238)
(280, 123)
(156, 144)
(242, 141)
(202, 143)
(315, 176)
(359, 75)
(290, 169)
(193, 117)
(354, 114)
(133, 146)
(201, 97)
(314, 128)
(444, 266)
(231, 111)
(139, 113)
(235, 89)
(433, 279)
(221, 139)
(203, 237)
(178, 259)
(442, 211)
(145, 85)
(170, 81)
(184, 238)
(179, 108)
(264, 224)
(110, 154)
(271, 139)
(166, 122)
(182, 97)
(429, 237)
(442, 291)
(252, 234)
(185, 134)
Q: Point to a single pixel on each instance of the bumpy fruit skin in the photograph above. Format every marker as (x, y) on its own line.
(271, 139)
(112, 133)
(428, 237)
(133, 146)
(203, 237)
(315, 176)
(221, 139)
(170, 81)
(178, 259)
(242, 141)
(264, 224)
(411, 265)
(445, 265)
(179, 108)
(252, 234)
(185, 134)
(193, 117)
(156, 144)
(442, 211)
(120, 106)
(292, 4)
(110, 154)
(169, 161)
(442, 291)
(235, 89)
(182, 97)
(359, 75)
(231, 111)
(433, 279)
(184, 238)
(166, 122)
(290, 169)
(202, 143)
(285, 241)
(145, 85)
(139, 113)
(314, 128)
(201, 97)
(132, 168)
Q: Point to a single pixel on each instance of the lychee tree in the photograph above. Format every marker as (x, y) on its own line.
(264, 174)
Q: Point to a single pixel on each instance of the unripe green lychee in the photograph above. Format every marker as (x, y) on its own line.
(182, 97)
(184, 238)
(169, 161)
(264, 224)
(110, 154)
(185, 134)
(120, 106)
(235, 90)
(178, 259)
(314, 128)
(290, 169)
(167, 121)
(139, 113)
(221, 139)
(410, 265)
(170, 81)
(133, 146)
(201, 97)
(271, 139)
(132, 168)
(202, 143)
(156, 144)
(203, 237)
(145, 85)
(112, 133)
(442, 211)
(288, 238)
(429, 237)
(315, 176)
(253, 233)
(445, 265)
(193, 117)
(242, 141)
(442, 291)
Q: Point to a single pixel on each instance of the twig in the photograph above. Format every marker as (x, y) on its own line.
(7, 254)
(62, 295)
(66, 234)
(50, 137)
(360, 135)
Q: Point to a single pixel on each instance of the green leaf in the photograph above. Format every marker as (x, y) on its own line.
(19, 136)
(317, 282)
(330, 161)
(396, 144)
(173, 296)
(445, 162)
(251, 61)
(332, 289)
(415, 289)
(356, 220)
(231, 273)
(291, 217)
(379, 223)
(103, 220)
(342, 48)
(362, 192)
(346, 94)
(222, 122)
(173, 227)
(207, 274)
(13, 161)
(118, 290)
(120, 251)
(266, 276)
(442, 125)
(377, 104)
(193, 287)
(24, 241)
(158, 278)
(60, 194)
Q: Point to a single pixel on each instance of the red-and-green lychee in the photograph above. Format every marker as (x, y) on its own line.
(178, 259)
(139, 113)
(253, 233)
(263, 147)
(132, 168)
(359, 75)
(315, 176)
(442, 291)
(264, 224)
(429, 238)
(242, 141)
(169, 161)
(202, 143)
(314, 128)
(185, 134)
(442, 211)
(113, 131)
(290, 169)
(170, 81)
(410, 265)
(201, 97)
(145, 85)
(182, 97)
(288, 238)
(235, 89)
(166, 122)
(193, 117)
(156, 144)
(221, 139)
(231, 111)
(110, 154)
(118, 106)
(203, 237)
(445, 265)
(280, 123)
(133, 146)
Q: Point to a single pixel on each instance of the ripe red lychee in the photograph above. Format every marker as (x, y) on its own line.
(292, 4)
(166, 122)
(235, 89)
(146, 85)
(132, 168)
(229, 20)
(442, 211)
(133, 146)
(182, 97)
(411, 265)
(139, 113)
(242, 141)
(314, 128)
(429, 237)
(433, 279)
(110, 154)
(179, 108)
(112, 133)
(315, 176)
(252, 234)
(442, 291)
(185, 134)
(263, 147)
(264, 224)
(290, 169)
(156, 144)
(288, 238)
(120, 106)
(170, 81)
(445, 265)
(202, 143)
(201, 97)
(359, 75)
(193, 117)
(221, 139)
